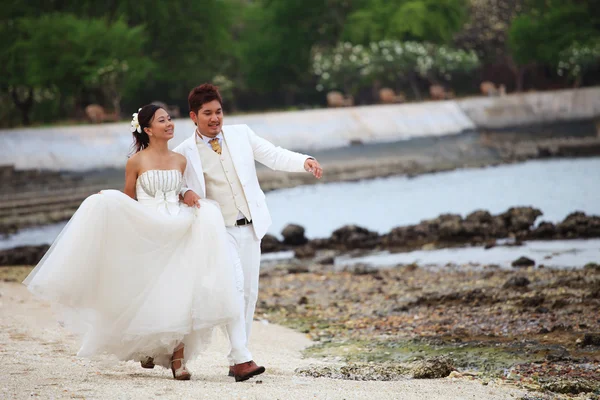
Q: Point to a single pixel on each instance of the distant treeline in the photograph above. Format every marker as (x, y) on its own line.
(58, 57)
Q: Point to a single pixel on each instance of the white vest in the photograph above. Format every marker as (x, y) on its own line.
(222, 182)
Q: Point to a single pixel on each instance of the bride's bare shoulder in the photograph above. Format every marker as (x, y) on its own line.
(181, 160)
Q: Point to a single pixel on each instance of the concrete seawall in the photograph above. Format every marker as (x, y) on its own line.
(87, 147)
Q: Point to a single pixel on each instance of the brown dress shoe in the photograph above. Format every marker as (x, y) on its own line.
(230, 372)
(247, 370)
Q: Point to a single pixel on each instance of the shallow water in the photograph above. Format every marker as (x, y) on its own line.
(557, 187)
(554, 254)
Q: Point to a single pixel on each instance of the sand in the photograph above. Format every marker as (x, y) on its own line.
(38, 361)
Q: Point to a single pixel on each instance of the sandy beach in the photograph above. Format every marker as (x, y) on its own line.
(39, 361)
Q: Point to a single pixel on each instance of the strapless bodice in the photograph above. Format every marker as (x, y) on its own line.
(159, 189)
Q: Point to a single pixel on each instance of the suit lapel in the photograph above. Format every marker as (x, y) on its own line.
(196, 162)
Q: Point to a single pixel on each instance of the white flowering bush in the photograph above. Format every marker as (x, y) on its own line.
(344, 67)
(348, 66)
(575, 60)
(394, 60)
(448, 63)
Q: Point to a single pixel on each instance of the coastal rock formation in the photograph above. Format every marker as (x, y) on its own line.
(293, 235)
(23, 255)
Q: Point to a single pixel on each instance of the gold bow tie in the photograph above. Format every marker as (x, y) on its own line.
(216, 146)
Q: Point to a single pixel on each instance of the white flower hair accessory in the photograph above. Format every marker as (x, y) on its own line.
(135, 124)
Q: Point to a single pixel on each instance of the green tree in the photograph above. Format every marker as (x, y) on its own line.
(278, 40)
(434, 21)
(63, 54)
(548, 28)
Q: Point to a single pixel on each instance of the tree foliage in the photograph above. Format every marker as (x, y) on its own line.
(434, 21)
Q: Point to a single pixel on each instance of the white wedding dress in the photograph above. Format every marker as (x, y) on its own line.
(136, 278)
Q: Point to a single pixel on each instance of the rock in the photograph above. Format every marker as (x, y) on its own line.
(592, 267)
(293, 235)
(579, 225)
(480, 216)
(270, 244)
(516, 281)
(490, 244)
(520, 218)
(437, 367)
(297, 269)
(591, 339)
(571, 386)
(356, 372)
(523, 262)
(354, 236)
(306, 251)
(545, 230)
(23, 255)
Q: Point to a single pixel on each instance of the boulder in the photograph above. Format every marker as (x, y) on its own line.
(293, 235)
(523, 262)
(23, 255)
(437, 367)
(270, 244)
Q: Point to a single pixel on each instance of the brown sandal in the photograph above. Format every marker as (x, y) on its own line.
(148, 363)
(181, 373)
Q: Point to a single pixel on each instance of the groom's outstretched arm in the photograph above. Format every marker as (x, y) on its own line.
(281, 159)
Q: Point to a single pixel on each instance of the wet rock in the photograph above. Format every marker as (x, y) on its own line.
(480, 217)
(520, 218)
(293, 235)
(523, 262)
(270, 244)
(23, 255)
(545, 230)
(579, 225)
(356, 372)
(571, 386)
(354, 236)
(437, 367)
(516, 282)
(591, 339)
(306, 251)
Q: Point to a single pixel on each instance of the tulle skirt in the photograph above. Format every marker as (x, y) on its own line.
(136, 283)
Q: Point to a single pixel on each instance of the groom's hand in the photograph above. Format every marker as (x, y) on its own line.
(191, 199)
(311, 165)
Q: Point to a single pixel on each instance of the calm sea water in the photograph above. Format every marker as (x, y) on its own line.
(557, 187)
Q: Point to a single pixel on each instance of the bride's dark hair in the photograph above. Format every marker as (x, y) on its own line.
(141, 140)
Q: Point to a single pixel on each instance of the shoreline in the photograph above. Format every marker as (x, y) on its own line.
(478, 229)
(36, 198)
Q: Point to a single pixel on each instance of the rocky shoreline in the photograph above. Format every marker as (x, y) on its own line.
(479, 228)
(536, 328)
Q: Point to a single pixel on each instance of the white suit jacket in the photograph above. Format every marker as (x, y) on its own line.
(245, 147)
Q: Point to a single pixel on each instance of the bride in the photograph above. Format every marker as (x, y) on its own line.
(142, 280)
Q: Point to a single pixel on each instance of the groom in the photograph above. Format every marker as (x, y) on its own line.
(220, 167)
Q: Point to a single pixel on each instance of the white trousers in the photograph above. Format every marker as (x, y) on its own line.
(244, 249)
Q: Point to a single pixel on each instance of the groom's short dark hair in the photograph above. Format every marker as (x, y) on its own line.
(203, 94)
